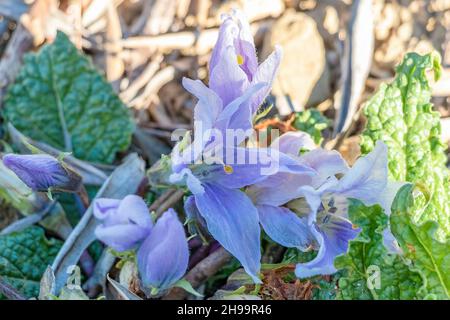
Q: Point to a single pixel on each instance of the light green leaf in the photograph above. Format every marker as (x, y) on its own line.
(370, 271)
(24, 257)
(61, 99)
(186, 285)
(313, 122)
(401, 115)
(428, 256)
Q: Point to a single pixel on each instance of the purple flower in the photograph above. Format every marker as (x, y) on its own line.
(163, 257)
(237, 85)
(234, 64)
(42, 172)
(124, 223)
(311, 211)
(281, 223)
(228, 213)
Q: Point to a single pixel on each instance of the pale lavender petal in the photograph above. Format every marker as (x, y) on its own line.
(233, 220)
(133, 209)
(314, 199)
(247, 57)
(285, 227)
(163, 257)
(278, 189)
(367, 179)
(236, 115)
(209, 103)
(388, 194)
(104, 207)
(292, 142)
(121, 237)
(41, 172)
(266, 73)
(124, 223)
(227, 79)
(228, 31)
(333, 239)
(245, 166)
(390, 242)
(326, 163)
(386, 199)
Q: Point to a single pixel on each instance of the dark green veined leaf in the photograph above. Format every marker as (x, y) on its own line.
(24, 256)
(61, 99)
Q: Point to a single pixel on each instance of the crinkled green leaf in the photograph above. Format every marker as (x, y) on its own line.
(428, 256)
(367, 256)
(401, 115)
(58, 87)
(313, 122)
(24, 256)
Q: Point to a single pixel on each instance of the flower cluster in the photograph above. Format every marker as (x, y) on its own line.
(301, 202)
(298, 193)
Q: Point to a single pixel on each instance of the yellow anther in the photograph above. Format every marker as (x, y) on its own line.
(354, 227)
(240, 59)
(228, 169)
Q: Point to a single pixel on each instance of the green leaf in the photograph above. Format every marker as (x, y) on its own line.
(313, 122)
(428, 256)
(24, 256)
(61, 99)
(186, 286)
(401, 115)
(371, 272)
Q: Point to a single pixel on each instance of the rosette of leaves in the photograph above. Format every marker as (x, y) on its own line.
(59, 98)
(401, 115)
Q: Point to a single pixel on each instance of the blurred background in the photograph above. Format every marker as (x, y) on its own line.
(336, 54)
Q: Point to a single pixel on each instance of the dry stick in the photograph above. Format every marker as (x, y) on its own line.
(148, 73)
(10, 292)
(201, 272)
(21, 41)
(171, 200)
(155, 205)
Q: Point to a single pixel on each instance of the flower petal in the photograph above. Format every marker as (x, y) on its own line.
(228, 31)
(227, 79)
(233, 221)
(104, 207)
(121, 237)
(163, 257)
(124, 223)
(266, 73)
(278, 189)
(285, 227)
(41, 172)
(236, 115)
(333, 239)
(133, 209)
(367, 179)
(209, 103)
(326, 163)
(291, 142)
